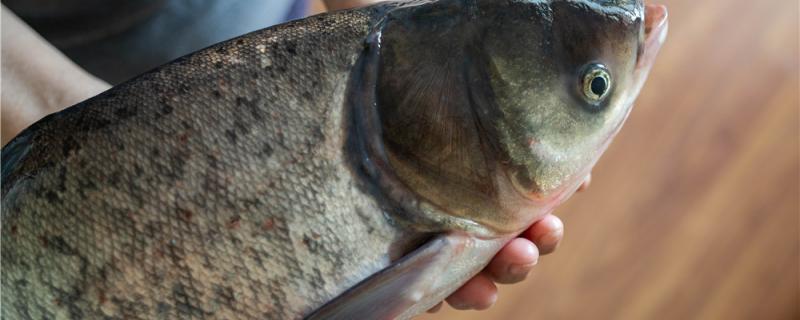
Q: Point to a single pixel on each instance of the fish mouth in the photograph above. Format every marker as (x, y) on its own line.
(655, 32)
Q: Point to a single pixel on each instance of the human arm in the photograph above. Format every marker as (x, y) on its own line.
(37, 79)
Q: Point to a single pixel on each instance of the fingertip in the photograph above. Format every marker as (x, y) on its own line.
(513, 263)
(546, 233)
(478, 293)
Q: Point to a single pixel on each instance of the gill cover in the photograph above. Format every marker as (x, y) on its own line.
(493, 111)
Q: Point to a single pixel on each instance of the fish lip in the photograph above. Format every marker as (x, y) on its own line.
(656, 24)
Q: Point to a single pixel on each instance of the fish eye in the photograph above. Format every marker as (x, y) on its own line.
(596, 83)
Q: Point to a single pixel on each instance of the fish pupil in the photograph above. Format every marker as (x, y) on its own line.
(599, 86)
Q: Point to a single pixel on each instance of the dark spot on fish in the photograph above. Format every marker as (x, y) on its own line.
(216, 94)
(366, 219)
(268, 224)
(183, 88)
(234, 222)
(291, 48)
(162, 309)
(241, 126)
(218, 64)
(115, 178)
(212, 161)
(317, 133)
(155, 152)
(166, 109)
(14, 230)
(239, 42)
(185, 214)
(311, 243)
(52, 196)
(85, 185)
(231, 135)
(43, 240)
(158, 253)
(224, 295)
(94, 123)
(317, 279)
(21, 283)
(266, 150)
(240, 101)
(307, 95)
(69, 146)
(125, 112)
(176, 253)
(183, 302)
(255, 75)
(177, 162)
(252, 105)
(250, 203)
(58, 244)
(62, 178)
(101, 296)
(138, 170)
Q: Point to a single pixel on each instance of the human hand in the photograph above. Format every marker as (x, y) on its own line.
(511, 265)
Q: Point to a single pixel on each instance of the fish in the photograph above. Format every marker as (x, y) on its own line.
(359, 164)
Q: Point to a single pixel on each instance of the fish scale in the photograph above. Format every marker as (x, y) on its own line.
(81, 251)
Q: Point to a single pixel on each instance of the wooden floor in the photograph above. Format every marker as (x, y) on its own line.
(693, 212)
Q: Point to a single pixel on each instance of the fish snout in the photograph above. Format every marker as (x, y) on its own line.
(655, 32)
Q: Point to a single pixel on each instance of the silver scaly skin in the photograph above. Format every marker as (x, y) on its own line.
(210, 187)
(356, 164)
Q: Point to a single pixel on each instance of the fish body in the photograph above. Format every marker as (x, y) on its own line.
(270, 176)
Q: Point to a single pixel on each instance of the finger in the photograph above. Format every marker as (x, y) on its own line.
(586, 182)
(478, 293)
(546, 234)
(436, 308)
(513, 263)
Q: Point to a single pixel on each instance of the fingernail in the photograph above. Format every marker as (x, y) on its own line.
(552, 237)
(492, 301)
(460, 305)
(555, 224)
(518, 270)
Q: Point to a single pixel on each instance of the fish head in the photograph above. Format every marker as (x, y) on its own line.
(565, 84)
(495, 111)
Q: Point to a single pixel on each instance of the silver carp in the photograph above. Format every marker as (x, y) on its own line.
(360, 164)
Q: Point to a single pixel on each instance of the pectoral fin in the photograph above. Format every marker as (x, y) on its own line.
(416, 282)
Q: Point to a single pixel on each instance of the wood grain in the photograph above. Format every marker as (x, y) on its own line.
(693, 211)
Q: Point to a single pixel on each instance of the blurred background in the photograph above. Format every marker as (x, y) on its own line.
(693, 211)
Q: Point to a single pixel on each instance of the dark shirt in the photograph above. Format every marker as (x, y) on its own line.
(116, 40)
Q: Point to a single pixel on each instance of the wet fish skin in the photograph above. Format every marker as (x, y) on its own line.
(211, 187)
(358, 164)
